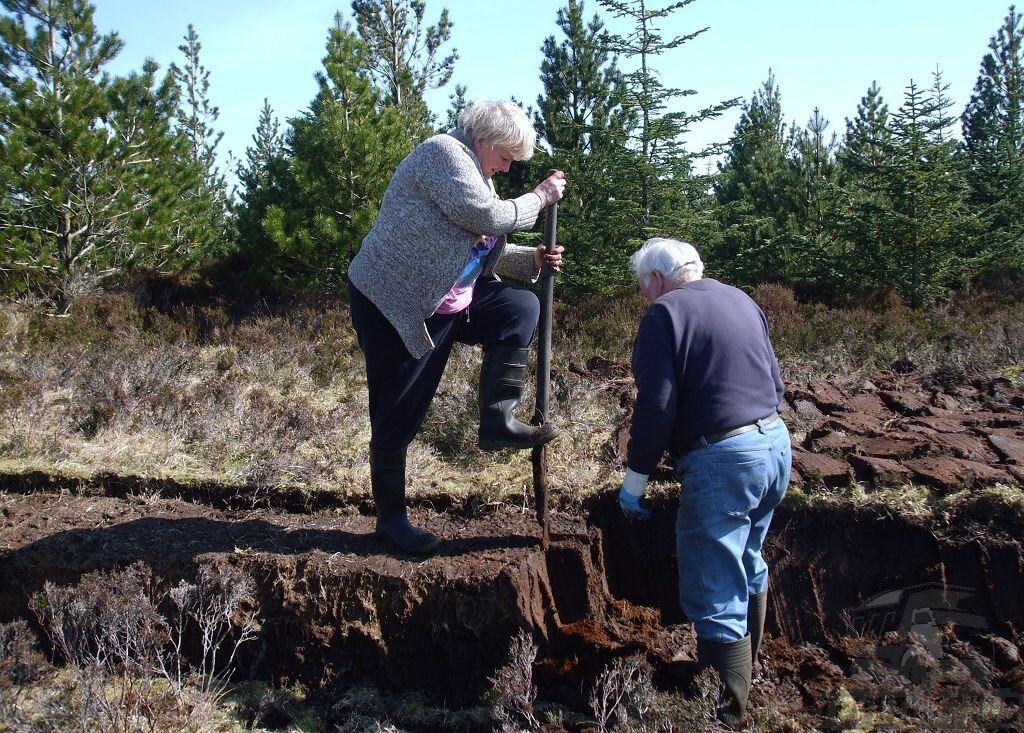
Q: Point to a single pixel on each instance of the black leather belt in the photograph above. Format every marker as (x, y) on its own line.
(719, 437)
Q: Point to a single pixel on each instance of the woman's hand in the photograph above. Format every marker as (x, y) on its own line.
(551, 189)
(553, 260)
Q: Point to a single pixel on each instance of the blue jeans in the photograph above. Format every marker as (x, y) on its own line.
(729, 492)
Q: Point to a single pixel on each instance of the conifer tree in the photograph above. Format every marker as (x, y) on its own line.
(343, 151)
(665, 187)
(204, 193)
(263, 182)
(927, 191)
(79, 152)
(993, 133)
(811, 228)
(758, 192)
(456, 103)
(581, 120)
(865, 161)
(404, 55)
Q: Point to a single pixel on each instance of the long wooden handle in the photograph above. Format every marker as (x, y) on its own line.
(547, 290)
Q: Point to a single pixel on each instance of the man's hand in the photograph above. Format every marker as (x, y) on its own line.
(631, 507)
(633, 486)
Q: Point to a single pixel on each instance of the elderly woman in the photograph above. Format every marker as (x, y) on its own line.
(426, 277)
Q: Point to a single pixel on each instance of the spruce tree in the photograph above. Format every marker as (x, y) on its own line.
(927, 191)
(816, 202)
(263, 178)
(665, 187)
(581, 119)
(205, 195)
(758, 193)
(993, 133)
(865, 163)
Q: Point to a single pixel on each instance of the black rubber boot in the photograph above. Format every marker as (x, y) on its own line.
(387, 477)
(731, 659)
(757, 609)
(502, 381)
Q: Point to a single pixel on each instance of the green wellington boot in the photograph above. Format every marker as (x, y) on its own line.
(502, 381)
(387, 477)
(732, 661)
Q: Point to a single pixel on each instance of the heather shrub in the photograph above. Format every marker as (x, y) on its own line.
(130, 668)
(20, 660)
(512, 693)
(623, 692)
(777, 302)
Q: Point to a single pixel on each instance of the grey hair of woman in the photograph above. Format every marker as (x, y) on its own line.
(678, 262)
(501, 124)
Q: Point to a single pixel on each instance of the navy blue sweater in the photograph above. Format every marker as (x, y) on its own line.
(703, 363)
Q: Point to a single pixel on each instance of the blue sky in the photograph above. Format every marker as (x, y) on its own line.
(824, 53)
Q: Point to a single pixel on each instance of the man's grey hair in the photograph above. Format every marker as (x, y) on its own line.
(501, 124)
(678, 262)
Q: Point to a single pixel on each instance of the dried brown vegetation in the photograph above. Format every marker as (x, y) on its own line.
(136, 411)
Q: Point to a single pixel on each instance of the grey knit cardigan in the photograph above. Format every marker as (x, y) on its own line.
(436, 208)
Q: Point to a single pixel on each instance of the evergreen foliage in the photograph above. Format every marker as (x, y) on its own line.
(342, 152)
(102, 174)
(927, 192)
(404, 57)
(84, 197)
(993, 132)
(262, 179)
(665, 195)
(865, 158)
(205, 199)
(758, 193)
(813, 241)
(580, 118)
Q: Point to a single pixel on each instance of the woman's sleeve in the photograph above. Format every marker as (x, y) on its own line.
(451, 178)
(517, 262)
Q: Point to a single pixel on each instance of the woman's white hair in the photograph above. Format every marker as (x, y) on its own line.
(678, 262)
(502, 125)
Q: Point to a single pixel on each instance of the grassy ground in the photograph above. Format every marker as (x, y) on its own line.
(269, 400)
(272, 400)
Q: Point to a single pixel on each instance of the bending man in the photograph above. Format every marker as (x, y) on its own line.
(709, 390)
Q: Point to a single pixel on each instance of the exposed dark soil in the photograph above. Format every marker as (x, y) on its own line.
(337, 610)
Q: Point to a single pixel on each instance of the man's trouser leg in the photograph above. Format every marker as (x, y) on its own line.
(723, 484)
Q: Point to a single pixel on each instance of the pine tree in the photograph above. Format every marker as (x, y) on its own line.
(662, 176)
(993, 132)
(343, 151)
(403, 56)
(580, 118)
(160, 228)
(758, 193)
(79, 152)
